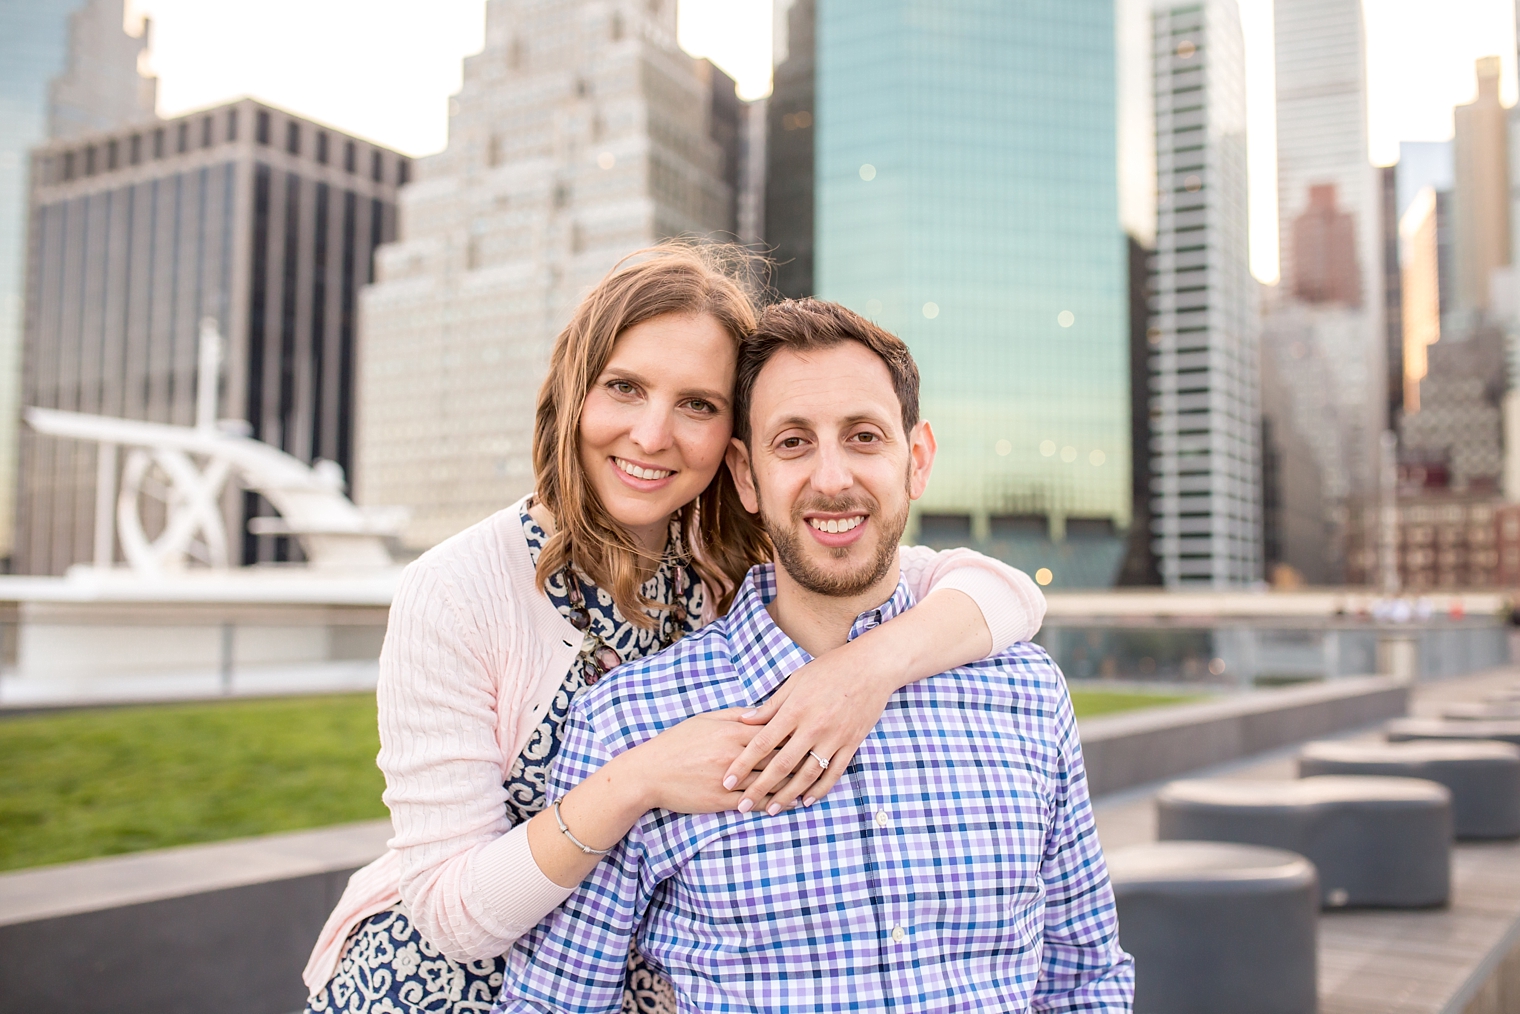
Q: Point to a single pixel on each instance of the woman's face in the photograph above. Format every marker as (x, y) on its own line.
(657, 421)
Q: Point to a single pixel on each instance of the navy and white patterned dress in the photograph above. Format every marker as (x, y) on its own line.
(387, 966)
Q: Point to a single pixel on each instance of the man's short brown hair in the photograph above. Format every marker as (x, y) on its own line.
(806, 325)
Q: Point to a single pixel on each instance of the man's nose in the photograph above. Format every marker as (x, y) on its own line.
(831, 471)
(652, 431)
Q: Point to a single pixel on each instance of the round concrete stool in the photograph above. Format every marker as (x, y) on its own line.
(1375, 841)
(1403, 729)
(1483, 777)
(1216, 928)
(1491, 711)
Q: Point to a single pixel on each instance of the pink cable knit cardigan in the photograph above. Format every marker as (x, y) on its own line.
(473, 655)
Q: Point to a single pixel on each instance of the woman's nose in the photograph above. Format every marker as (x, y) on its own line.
(652, 430)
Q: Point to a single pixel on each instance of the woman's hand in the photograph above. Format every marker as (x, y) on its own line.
(827, 708)
(830, 705)
(681, 768)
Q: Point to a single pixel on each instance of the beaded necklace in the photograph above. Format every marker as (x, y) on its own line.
(597, 658)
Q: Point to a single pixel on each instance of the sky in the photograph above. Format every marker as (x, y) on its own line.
(399, 61)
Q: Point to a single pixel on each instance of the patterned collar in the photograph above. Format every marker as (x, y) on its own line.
(763, 655)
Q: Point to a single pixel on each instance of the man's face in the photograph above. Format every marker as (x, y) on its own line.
(829, 468)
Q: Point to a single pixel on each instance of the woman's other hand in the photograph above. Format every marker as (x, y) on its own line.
(682, 768)
(829, 706)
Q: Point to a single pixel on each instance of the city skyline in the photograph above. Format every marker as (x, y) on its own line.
(409, 112)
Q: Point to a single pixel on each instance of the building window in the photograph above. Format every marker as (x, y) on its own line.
(403, 171)
(158, 143)
(206, 129)
(322, 147)
(261, 128)
(232, 125)
(293, 137)
(182, 139)
(89, 161)
(134, 154)
(68, 165)
(376, 167)
(113, 153)
(350, 156)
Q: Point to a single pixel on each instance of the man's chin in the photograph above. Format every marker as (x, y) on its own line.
(837, 571)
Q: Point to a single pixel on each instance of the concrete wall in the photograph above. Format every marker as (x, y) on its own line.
(1126, 750)
(225, 927)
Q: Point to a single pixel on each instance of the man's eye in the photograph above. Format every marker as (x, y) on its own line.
(792, 443)
(866, 438)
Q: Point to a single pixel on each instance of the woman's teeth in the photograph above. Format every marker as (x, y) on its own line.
(837, 524)
(641, 473)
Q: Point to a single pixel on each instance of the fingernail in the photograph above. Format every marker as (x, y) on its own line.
(773, 809)
(810, 800)
(730, 782)
(751, 713)
(746, 805)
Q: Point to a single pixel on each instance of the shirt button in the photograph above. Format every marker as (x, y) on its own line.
(898, 934)
(882, 818)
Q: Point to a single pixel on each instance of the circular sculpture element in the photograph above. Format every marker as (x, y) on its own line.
(188, 498)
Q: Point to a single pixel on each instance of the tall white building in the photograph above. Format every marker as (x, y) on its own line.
(1205, 468)
(581, 133)
(1330, 234)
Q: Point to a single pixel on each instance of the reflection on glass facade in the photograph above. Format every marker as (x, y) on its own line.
(967, 199)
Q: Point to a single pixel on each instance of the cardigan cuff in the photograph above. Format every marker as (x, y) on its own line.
(1008, 621)
(512, 895)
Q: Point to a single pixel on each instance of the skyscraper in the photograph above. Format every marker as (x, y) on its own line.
(1330, 233)
(966, 197)
(1205, 469)
(1480, 198)
(581, 133)
(81, 44)
(790, 154)
(260, 220)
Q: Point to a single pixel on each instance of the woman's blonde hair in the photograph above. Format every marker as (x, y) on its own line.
(722, 539)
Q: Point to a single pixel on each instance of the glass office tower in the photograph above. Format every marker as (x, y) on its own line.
(967, 199)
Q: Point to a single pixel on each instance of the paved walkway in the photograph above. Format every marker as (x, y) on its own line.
(17, 693)
(1386, 962)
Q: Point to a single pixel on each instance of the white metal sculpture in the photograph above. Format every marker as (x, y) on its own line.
(186, 469)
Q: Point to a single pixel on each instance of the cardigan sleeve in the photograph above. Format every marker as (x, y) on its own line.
(1011, 603)
(468, 878)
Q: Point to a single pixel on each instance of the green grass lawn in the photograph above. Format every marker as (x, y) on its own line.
(96, 783)
(1091, 703)
(81, 784)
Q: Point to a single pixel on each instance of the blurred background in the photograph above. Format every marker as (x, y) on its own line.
(1216, 304)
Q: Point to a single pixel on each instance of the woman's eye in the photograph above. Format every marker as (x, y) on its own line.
(698, 405)
(621, 387)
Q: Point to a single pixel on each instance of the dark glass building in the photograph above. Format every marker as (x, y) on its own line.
(789, 157)
(263, 221)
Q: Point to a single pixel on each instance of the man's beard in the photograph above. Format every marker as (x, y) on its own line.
(793, 557)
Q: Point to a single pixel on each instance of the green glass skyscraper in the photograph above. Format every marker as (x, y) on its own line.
(967, 199)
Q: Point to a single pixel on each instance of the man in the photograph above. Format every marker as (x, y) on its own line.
(953, 867)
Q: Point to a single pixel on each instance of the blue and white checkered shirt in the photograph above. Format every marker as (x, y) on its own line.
(954, 867)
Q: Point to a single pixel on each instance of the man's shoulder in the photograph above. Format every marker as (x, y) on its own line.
(694, 675)
(1025, 668)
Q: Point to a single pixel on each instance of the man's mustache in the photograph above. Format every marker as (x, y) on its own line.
(841, 505)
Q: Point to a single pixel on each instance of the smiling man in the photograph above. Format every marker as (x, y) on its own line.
(955, 865)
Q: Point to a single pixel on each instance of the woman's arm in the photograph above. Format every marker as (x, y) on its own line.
(472, 882)
(971, 606)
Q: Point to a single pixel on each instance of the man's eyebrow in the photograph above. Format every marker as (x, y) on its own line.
(802, 422)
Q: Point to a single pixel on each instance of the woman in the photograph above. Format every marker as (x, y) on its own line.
(634, 537)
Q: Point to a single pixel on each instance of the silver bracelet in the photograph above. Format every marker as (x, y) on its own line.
(565, 830)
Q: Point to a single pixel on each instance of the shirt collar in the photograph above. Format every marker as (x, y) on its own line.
(763, 656)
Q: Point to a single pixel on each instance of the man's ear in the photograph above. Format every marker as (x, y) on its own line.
(744, 476)
(921, 448)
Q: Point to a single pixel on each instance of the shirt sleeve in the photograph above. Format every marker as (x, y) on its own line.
(1012, 605)
(1083, 968)
(576, 961)
(468, 878)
